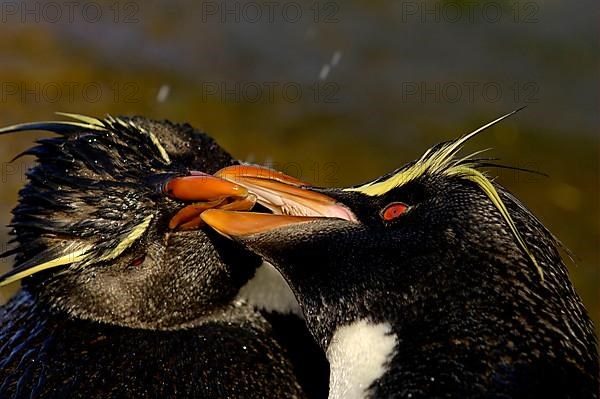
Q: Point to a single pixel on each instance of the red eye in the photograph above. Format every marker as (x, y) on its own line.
(138, 261)
(394, 210)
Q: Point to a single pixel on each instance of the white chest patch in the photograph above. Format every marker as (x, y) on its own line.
(357, 355)
(269, 291)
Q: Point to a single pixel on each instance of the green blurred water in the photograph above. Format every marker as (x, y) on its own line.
(339, 95)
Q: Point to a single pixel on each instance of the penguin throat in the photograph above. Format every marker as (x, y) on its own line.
(359, 354)
(268, 291)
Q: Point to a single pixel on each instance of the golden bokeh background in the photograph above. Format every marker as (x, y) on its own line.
(333, 93)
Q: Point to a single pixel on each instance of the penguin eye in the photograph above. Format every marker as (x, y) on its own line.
(393, 211)
(138, 261)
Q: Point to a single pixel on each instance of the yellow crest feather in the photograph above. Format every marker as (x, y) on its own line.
(84, 254)
(83, 118)
(488, 188)
(442, 159)
(73, 257)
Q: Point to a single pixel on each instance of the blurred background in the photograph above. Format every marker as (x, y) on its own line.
(333, 93)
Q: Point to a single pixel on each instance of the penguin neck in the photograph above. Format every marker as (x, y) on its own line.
(143, 300)
(268, 291)
(359, 354)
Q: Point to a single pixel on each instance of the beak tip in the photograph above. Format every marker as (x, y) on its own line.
(240, 191)
(218, 220)
(207, 216)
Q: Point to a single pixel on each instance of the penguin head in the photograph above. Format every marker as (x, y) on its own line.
(435, 234)
(436, 249)
(107, 227)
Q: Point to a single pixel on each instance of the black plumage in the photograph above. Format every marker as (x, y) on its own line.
(470, 282)
(47, 354)
(125, 307)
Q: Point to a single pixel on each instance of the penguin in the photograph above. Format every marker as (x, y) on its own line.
(432, 281)
(125, 293)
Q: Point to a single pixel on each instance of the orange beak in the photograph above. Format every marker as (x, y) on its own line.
(219, 199)
(240, 224)
(202, 187)
(206, 192)
(285, 196)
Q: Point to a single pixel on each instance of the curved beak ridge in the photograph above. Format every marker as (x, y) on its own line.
(220, 198)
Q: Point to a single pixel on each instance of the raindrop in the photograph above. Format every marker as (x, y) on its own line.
(324, 72)
(163, 93)
(335, 59)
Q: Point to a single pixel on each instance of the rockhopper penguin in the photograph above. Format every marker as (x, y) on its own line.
(125, 293)
(432, 281)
